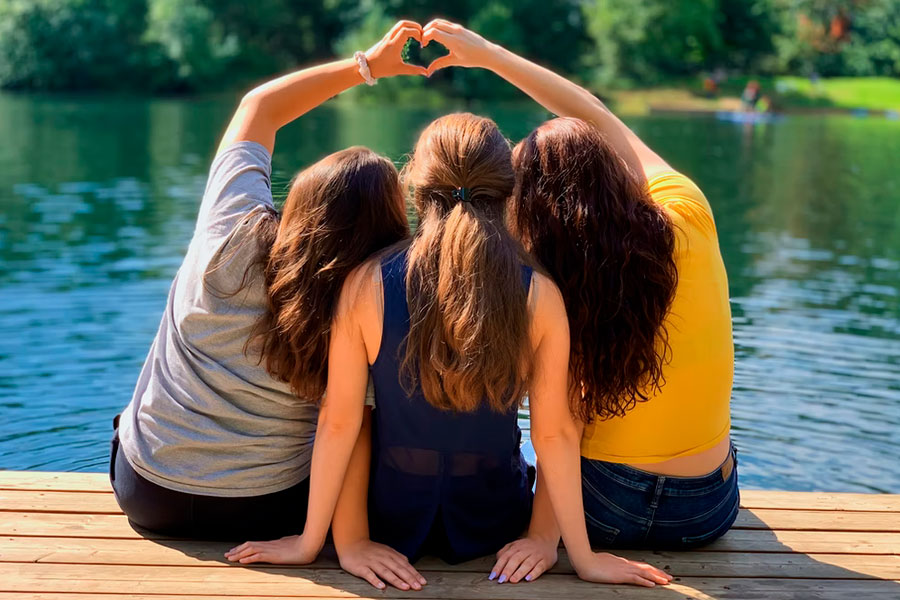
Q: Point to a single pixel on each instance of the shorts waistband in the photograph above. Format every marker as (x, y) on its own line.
(645, 480)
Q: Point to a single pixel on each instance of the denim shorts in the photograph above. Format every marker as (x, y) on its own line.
(625, 507)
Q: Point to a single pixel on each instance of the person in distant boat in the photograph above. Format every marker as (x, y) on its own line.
(217, 440)
(454, 327)
(632, 245)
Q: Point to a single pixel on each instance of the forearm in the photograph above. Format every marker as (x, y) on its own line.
(351, 520)
(543, 522)
(267, 108)
(566, 99)
(290, 96)
(331, 457)
(563, 485)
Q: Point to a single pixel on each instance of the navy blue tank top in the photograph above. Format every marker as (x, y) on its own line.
(450, 484)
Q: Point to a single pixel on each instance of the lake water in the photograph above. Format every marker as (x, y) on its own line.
(98, 199)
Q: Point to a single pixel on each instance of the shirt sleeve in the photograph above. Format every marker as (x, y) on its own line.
(678, 194)
(239, 182)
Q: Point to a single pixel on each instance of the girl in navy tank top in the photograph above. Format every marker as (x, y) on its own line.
(453, 328)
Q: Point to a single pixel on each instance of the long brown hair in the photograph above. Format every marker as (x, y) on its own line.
(591, 223)
(338, 212)
(468, 338)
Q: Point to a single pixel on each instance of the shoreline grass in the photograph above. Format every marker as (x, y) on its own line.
(788, 94)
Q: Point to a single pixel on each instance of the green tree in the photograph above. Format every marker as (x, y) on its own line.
(747, 29)
(873, 47)
(191, 41)
(647, 40)
(71, 44)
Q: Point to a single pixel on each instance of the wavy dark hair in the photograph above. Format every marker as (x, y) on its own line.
(468, 339)
(338, 212)
(590, 222)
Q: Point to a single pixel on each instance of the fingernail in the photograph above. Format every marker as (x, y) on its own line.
(492, 576)
(502, 579)
(528, 578)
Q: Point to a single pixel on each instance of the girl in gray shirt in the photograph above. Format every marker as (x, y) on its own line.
(217, 439)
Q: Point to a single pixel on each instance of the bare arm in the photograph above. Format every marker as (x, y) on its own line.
(340, 420)
(554, 92)
(359, 555)
(556, 437)
(271, 106)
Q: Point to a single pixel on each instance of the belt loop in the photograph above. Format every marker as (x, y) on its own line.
(728, 467)
(660, 486)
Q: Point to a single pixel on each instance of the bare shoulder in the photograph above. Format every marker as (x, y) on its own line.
(361, 291)
(548, 309)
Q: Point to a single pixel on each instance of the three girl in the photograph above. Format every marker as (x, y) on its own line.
(453, 327)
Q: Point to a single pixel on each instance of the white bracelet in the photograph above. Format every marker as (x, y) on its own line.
(364, 67)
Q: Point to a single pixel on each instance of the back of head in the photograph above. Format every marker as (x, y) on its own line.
(468, 339)
(591, 223)
(338, 212)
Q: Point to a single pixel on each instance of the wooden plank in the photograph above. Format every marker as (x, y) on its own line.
(820, 501)
(77, 596)
(817, 520)
(58, 502)
(116, 526)
(99, 483)
(306, 583)
(809, 542)
(736, 540)
(68, 525)
(839, 591)
(828, 519)
(682, 564)
(46, 481)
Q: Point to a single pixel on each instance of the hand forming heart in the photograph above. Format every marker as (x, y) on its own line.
(465, 48)
(386, 57)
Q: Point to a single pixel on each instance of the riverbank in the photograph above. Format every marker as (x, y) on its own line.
(878, 95)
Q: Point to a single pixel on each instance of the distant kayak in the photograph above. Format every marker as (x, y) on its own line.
(747, 117)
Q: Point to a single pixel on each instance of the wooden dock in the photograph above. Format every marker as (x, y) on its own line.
(62, 536)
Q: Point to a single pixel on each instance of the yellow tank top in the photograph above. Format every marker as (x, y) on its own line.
(691, 413)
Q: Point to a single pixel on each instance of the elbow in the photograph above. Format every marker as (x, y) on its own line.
(338, 425)
(251, 101)
(563, 437)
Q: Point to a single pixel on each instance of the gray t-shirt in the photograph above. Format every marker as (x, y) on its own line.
(206, 418)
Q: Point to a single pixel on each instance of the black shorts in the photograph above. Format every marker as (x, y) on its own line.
(178, 514)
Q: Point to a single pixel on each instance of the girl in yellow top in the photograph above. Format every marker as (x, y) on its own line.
(632, 245)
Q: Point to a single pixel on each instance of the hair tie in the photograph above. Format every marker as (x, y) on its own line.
(460, 194)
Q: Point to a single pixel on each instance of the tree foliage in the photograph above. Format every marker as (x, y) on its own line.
(191, 45)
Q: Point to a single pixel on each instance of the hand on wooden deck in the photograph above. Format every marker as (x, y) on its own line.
(373, 562)
(290, 550)
(526, 559)
(603, 567)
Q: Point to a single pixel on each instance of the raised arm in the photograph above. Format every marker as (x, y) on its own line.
(556, 438)
(555, 93)
(271, 106)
